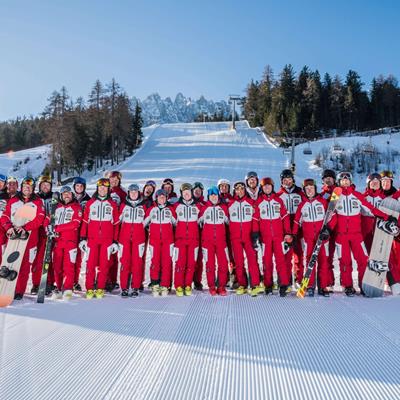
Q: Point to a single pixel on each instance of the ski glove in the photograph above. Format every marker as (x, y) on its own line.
(83, 245)
(254, 239)
(113, 248)
(324, 234)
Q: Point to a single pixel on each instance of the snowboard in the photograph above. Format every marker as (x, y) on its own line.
(374, 279)
(13, 255)
(48, 251)
(314, 255)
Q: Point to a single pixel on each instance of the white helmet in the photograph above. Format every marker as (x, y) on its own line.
(223, 181)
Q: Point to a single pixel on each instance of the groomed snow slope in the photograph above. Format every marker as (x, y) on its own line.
(201, 347)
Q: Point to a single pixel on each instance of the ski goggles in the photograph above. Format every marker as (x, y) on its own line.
(3, 178)
(309, 182)
(213, 190)
(168, 181)
(344, 175)
(103, 182)
(12, 179)
(387, 174)
(133, 188)
(150, 183)
(66, 189)
(198, 185)
(239, 185)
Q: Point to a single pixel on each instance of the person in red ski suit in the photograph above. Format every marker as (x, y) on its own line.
(374, 195)
(68, 218)
(292, 196)
(168, 186)
(213, 218)
(274, 228)
(99, 234)
(79, 186)
(118, 194)
(132, 241)
(329, 184)
(12, 186)
(349, 238)
(7, 221)
(186, 240)
(252, 188)
(161, 219)
(243, 228)
(45, 193)
(197, 191)
(310, 216)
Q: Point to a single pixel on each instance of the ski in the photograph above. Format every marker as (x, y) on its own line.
(47, 254)
(314, 256)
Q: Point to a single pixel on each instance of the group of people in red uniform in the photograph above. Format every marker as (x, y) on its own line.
(241, 233)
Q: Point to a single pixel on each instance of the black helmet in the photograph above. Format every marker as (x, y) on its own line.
(287, 173)
(329, 173)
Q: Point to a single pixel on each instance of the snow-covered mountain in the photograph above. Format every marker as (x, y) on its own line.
(156, 110)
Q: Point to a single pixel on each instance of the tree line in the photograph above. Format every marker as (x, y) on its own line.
(308, 105)
(83, 134)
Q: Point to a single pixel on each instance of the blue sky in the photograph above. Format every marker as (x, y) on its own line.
(212, 48)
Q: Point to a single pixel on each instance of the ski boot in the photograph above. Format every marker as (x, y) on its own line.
(67, 295)
(310, 292)
(349, 291)
(163, 291)
(179, 291)
(124, 293)
(222, 291)
(255, 290)
(49, 290)
(57, 294)
(275, 286)
(155, 289)
(90, 294)
(77, 287)
(283, 291)
(198, 286)
(18, 296)
(99, 293)
(141, 288)
(134, 293)
(188, 291)
(240, 290)
(109, 287)
(212, 291)
(35, 289)
(324, 292)
(268, 290)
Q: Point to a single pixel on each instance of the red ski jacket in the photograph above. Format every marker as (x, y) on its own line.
(274, 218)
(243, 218)
(291, 199)
(132, 215)
(214, 219)
(187, 215)
(100, 220)
(161, 221)
(67, 221)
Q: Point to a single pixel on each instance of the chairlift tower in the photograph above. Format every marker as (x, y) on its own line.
(234, 99)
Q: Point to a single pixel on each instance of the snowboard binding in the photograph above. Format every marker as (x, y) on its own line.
(390, 227)
(378, 266)
(7, 273)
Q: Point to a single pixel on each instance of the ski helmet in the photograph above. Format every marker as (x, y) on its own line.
(168, 181)
(198, 185)
(239, 184)
(287, 173)
(309, 182)
(373, 176)
(251, 174)
(223, 181)
(212, 190)
(12, 179)
(329, 173)
(133, 187)
(344, 175)
(44, 178)
(28, 181)
(65, 189)
(387, 174)
(186, 186)
(161, 192)
(150, 183)
(103, 182)
(79, 180)
(267, 181)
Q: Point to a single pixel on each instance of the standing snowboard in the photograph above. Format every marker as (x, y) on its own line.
(13, 255)
(378, 262)
(314, 256)
(49, 247)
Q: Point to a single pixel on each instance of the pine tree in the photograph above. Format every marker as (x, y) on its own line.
(137, 124)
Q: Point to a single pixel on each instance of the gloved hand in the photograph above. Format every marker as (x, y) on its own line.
(113, 248)
(83, 245)
(254, 239)
(289, 239)
(324, 234)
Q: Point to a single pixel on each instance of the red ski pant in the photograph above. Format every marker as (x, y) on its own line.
(161, 262)
(64, 258)
(240, 247)
(113, 269)
(3, 242)
(23, 274)
(211, 251)
(394, 263)
(294, 262)
(78, 266)
(368, 229)
(98, 257)
(272, 246)
(38, 264)
(132, 256)
(332, 248)
(322, 266)
(345, 245)
(185, 257)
